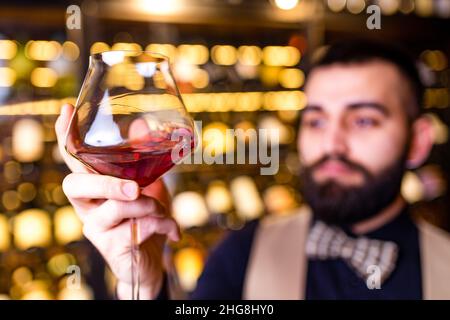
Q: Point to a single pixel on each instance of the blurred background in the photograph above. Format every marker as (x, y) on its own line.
(239, 64)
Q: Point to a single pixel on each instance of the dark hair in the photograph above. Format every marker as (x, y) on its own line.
(361, 51)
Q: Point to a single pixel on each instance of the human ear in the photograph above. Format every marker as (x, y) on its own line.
(422, 138)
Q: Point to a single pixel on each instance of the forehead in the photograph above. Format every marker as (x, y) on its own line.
(337, 85)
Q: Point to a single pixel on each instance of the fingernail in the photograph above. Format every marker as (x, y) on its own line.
(129, 189)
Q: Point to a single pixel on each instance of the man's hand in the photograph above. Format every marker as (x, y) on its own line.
(106, 205)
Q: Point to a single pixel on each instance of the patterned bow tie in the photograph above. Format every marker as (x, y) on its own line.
(329, 242)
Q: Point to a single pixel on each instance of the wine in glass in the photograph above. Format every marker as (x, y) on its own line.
(130, 122)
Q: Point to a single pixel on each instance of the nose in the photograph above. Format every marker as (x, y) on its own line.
(335, 140)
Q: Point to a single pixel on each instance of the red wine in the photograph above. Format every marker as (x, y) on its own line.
(142, 160)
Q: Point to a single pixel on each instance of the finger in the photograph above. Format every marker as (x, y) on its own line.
(95, 186)
(120, 235)
(84, 206)
(61, 127)
(158, 191)
(147, 226)
(150, 225)
(113, 212)
(62, 123)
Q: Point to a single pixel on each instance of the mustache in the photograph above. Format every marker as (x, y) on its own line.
(352, 165)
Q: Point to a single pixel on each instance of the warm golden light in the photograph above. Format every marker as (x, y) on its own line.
(5, 235)
(10, 200)
(159, 7)
(287, 100)
(27, 140)
(44, 77)
(407, 6)
(68, 226)
(193, 54)
(200, 79)
(435, 59)
(168, 50)
(250, 55)
(189, 209)
(125, 74)
(247, 199)
(412, 188)
(81, 293)
(217, 138)
(7, 77)
(58, 195)
(37, 294)
(269, 75)
(291, 78)
(126, 46)
(58, 264)
(244, 101)
(189, 265)
(440, 129)
(279, 199)
(99, 47)
(21, 276)
(195, 102)
(43, 50)
(424, 8)
(12, 171)
(8, 49)
(247, 127)
(32, 228)
(277, 131)
(42, 107)
(355, 6)
(70, 51)
(27, 191)
(218, 197)
(224, 55)
(389, 7)
(286, 4)
(336, 5)
(281, 56)
(436, 98)
(248, 101)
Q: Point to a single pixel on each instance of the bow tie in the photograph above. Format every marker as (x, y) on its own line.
(330, 242)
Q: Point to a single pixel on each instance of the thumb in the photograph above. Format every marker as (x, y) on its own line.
(61, 127)
(62, 123)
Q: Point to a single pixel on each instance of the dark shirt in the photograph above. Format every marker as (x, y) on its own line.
(223, 276)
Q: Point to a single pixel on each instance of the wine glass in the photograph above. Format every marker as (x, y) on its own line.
(130, 122)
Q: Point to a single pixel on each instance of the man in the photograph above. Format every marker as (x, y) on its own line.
(361, 129)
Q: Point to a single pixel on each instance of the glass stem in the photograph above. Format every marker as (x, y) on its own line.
(134, 260)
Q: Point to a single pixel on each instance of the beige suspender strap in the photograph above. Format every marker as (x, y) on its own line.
(277, 263)
(435, 261)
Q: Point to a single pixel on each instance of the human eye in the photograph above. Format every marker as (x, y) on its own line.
(314, 121)
(365, 122)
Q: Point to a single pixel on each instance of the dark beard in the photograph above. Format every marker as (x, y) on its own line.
(340, 205)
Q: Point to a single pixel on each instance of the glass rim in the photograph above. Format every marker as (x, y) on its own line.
(98, 55)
